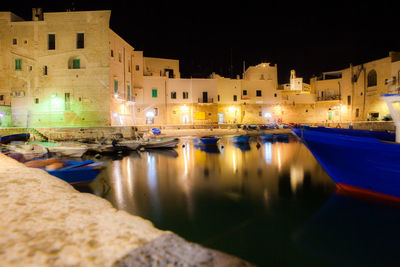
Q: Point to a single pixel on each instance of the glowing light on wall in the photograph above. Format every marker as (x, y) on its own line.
(267, 115)
(149, 114)
(232, 109)
(184, 108)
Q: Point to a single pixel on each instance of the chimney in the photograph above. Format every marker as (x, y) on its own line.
(37, 14)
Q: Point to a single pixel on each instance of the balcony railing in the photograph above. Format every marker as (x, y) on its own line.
(208, 100)
(328, 98)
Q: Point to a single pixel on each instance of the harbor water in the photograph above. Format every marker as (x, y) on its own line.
(270, 203)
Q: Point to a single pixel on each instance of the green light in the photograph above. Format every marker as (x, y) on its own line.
(53, 95)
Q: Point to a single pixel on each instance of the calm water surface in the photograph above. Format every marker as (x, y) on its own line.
(273, 205)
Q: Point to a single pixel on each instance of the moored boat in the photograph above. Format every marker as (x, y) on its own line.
(14, 137)
(73, 172)
(359, 163)
(28, 151)
(68, 149)
(243, 139)
(207, 140)
(160, 143)
(130, 144)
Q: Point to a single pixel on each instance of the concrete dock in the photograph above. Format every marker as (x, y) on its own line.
(46, 222)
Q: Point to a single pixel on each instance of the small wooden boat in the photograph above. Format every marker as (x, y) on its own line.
(29, 151)
(160, 143)
(73, 172)
(207, 140)
(243, 139)
(68, 149)
(14, 137)
(130, 144)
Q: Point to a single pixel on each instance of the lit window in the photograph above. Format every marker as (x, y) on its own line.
(18, 64)
(154, 93)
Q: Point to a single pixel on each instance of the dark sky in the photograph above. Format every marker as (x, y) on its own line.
(218, 36)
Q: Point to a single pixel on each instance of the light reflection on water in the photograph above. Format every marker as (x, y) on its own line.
(248, 201)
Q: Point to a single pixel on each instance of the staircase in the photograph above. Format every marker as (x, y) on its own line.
(38, 134)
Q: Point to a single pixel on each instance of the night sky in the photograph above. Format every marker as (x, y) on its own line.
(217, 36)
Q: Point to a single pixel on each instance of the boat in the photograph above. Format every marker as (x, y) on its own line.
(28, 151)
(207, 140)
(130, 144)
(160, 143)
(266, 137)
(243, 139)
(68, 149)
(156, 131)
(73, 172)
(381, 135)
(359, 164)
(14, 137)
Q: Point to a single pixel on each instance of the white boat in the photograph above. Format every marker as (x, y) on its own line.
(29, 151)
(68, 149)
(131, 144)
(161, 143)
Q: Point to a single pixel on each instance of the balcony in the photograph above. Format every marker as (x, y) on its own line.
(328, 98)
(208, 100)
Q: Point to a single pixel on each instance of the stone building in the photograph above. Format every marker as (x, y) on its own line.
(65, 69)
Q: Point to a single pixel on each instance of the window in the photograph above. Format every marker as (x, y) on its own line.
(36, 100)
(14, 41)
(185, 95)
(112, 53)
(357, 112)
(349, 100)
(218, 98)
(67, 101)
(258, 93)
(51, 41)
(129, 66)
(260, 113)
(137, 67)
(76, 63)
(30, 68)
(275, 95)
(115, 86)
(372, 78)
(155, 111)
(128, 92)
(45, 70)
(244, 92)
(234, 97)
(154, 93)
(1, 97)
(18, 64)
(262, 77)
(173, 95)
(80, 40)
(119, 57)
(25, 41)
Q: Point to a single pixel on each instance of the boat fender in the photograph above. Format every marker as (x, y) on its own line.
(183, 145)
(142, 149)
(258, 145)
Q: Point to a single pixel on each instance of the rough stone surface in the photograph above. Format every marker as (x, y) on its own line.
(171, 250)
(46, 222)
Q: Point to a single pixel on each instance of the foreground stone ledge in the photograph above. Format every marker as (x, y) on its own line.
(46, 222)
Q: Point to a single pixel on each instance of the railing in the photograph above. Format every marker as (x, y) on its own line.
(208, 100)
(328, 98)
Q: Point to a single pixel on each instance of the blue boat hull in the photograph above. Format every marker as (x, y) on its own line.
(77, 172)
(360, 162)
(243, 139)
(14, 137)
(207, 140)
